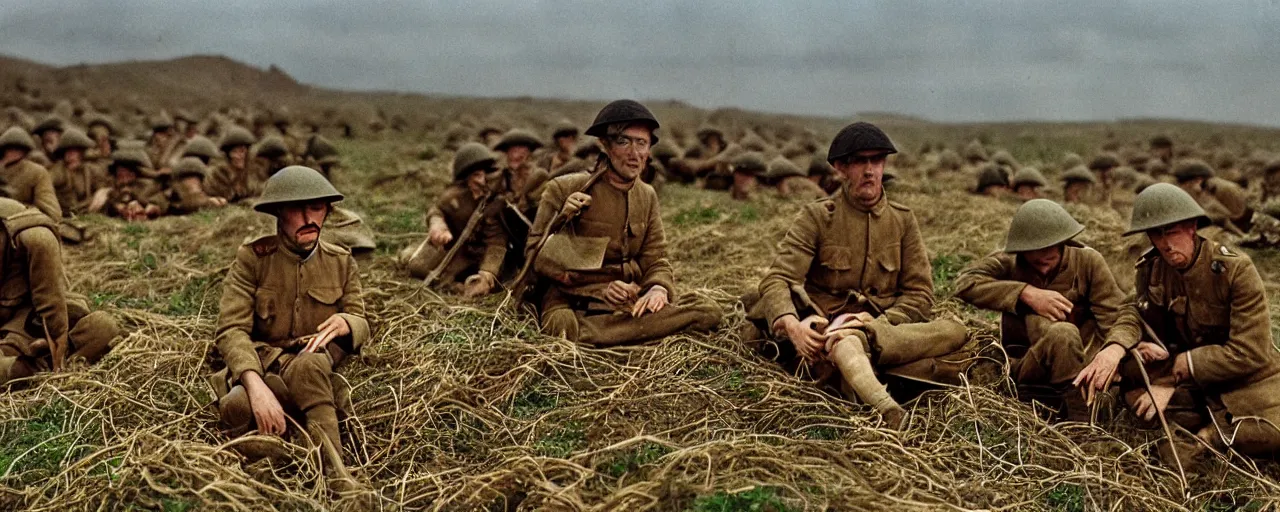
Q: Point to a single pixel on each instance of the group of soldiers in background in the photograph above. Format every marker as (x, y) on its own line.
(575, 230)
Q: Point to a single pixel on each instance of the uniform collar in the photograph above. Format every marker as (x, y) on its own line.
(875, 210)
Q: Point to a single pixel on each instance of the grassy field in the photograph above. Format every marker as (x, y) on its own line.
(458, 409)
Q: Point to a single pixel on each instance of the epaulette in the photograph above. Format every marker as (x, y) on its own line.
(1147, 256)
(899, 206)
(264, 245)
(334, 249)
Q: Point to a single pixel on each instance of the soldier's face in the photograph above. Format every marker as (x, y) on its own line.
(125, 175)
(12, 154)
(1043, 260)
(1028, 192)
(629, 151)
(1072, 193)
(865, 174)
(73, 157)
(1176, 243)
(193, 184)
(477, 182)
(1192, 186)
(302, 221)
(516, 155)
(50, 140)
(238, 155)
(566, 143)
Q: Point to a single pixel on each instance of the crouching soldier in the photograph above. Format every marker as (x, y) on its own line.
(466, 213)
(291, 311)
(187, 194)
(1216, 371)
(41, 323)
(860, 254)
(1058, 300)
(608, 280)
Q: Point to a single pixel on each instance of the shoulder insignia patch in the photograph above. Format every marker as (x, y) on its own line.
(265, 245)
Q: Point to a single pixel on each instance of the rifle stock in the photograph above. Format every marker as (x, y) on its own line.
(460, 241)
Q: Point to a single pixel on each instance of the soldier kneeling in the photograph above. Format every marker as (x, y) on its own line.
(42, 324)
(291, 311)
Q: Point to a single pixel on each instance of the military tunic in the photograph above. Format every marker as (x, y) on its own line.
(273, 301)
(145, 191)
(75, 188)
(235, 185)
(1216, 312)
(31, 185)
(34, 301)
(1045, 351)
(630, 225)
(484, 249)
(842, 257)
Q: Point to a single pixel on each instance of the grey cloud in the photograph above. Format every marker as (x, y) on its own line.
(947, 61)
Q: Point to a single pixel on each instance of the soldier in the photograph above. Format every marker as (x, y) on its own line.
(43, 324)
(822, 174)
(232, 179)
(29, 183)
(992, 181)
(187, 194)
(1058, 300)
(851, 285)
(199, 147)
(1077, 183)
(132, 196)
(699, 160)
(1207, 307)
(470, 200)
(47, 133)
(746, 168)
(790, 180)
(1103, 166)
(608, 280)
(101, 128)
(291, 312)
(1271, 181)
(1027, 183)
(1162, 148)
(74, 180)
(271, 155)
(1225, 203)
(159, 145)
(489, 135)
(565, 137)
(974, 153)
(522, 186)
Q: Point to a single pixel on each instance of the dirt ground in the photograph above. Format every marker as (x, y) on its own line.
(456, 408)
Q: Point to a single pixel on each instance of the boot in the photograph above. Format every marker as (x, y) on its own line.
(849, 354)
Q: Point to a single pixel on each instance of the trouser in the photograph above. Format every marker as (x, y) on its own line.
(424, 258)
(302, 383)
(1042, 351)
(606, 328)
(89, 338)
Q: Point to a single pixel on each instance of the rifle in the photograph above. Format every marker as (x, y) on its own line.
(461, 240)
(521, 282)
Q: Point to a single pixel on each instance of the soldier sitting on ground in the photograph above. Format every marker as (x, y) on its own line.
(470, 201)
(233, 179)
(747, 167)
(1058, 300)
(992, 181)
(74, 180)
(291, 311)
(790, 181)
(187, 193)
(1077, 185)
(1028, 183)
(42, 324)
(856, 259)
(1216, 371)
(604, 265)
(132, 196)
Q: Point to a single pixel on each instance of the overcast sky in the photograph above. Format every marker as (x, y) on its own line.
(944, 60)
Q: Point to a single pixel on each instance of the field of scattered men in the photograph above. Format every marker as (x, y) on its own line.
(458, 409)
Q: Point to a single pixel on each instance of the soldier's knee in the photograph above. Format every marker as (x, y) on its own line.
(92, 335)
(561, 322)
(415, 260)
(1062, 332)
(311, 364)
(708, 314)
(235, 411)
(952, 330)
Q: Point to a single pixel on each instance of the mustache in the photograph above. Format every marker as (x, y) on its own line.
(306, 227)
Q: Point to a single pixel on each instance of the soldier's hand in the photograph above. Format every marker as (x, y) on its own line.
(860, 320)
(1046, 303)
(218, 201)
(804, 335)
(151, 211)
(652, 302)
(1151, 352)
(1181, 367)
(440, 236)
(1146, 407)
(575, 203)
(621, 294)
(1099, 373)
(266, 408)
(99, 200)
(479, 284)
(334, 327)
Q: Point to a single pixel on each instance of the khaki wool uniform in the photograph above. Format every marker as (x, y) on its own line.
(1215, 311)
(847, 258)
(34, 301)
(273, 300)
(484, 249)
(523, 196)
(629, 225)
(235, 185)
(1042, 351)
(31, 185)
(1234, 201)
(74, 188)
(183, 200)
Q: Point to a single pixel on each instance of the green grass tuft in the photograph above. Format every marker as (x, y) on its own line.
(762, 499)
